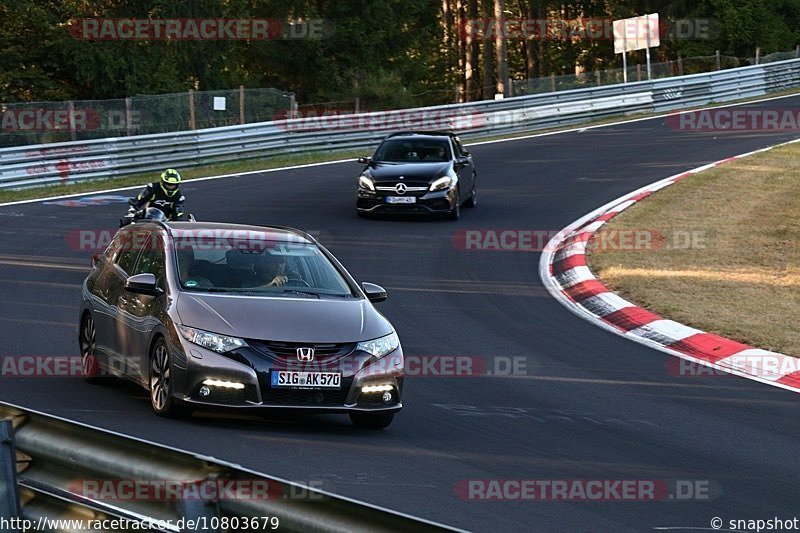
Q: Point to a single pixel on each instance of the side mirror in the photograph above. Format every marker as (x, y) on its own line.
(463, 160)
(364, 160)
(374, 293)
(143, 284)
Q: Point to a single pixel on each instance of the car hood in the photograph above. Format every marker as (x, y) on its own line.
(410, 171)
(283, 318)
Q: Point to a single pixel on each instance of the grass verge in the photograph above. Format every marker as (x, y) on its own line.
(723, 252)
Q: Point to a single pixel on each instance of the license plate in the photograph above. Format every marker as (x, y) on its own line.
(401, 199)
(308, 380)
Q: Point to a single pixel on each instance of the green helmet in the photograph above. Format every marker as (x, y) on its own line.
(170, 179)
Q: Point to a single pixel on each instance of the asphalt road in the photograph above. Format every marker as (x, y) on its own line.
(587, 405)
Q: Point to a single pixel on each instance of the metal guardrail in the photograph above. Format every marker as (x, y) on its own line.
(36, 165)
(53, 458)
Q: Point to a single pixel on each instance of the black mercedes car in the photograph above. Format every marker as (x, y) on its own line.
(207, 315)
(417, 172)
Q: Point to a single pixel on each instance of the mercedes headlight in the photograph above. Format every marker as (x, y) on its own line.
(380, 347)
(212, 341)
(365, 182)
(442, 184)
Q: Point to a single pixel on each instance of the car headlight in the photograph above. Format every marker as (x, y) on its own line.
(365, 182)
(212, 341)
(380, 347)
(442, 184)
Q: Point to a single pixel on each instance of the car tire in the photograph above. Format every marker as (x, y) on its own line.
(160, 383)
(472, 201)
(371, 420)
(90, 366)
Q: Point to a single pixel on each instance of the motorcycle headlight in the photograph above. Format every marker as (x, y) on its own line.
(365, 182)
(380, 347)
(212, 341)
(442, 184)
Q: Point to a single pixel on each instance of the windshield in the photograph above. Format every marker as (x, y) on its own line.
(413, 151)
(268, 267)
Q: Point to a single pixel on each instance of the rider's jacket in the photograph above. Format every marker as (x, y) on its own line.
(170, 202)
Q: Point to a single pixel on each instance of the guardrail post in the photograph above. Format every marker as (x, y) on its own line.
(196, 509)
(638, 72)
(719, 63)
(553, 82)
(680, 65)
(9, 501)
(758, 54)
(797, 51)
(597, 75)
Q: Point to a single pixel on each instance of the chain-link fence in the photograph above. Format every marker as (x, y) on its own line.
(638, 72)
(46, 122)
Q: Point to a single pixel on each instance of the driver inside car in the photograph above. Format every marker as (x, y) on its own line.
(273, 271)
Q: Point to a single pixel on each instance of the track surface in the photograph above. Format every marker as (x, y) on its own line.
(593, 405)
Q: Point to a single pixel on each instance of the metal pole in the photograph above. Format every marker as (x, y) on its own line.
(624, 52)
(758, 54)
(241, 104)
(192, 124)
(719, 63)
(797, 51)
(647, 53)
(553, 82)
(638, 72)
(9, 501)
(680, 65)
(71, 119)
(128, 117)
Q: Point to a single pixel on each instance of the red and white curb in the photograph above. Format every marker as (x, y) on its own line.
(567, 277)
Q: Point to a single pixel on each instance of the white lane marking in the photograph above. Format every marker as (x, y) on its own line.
(551, 284)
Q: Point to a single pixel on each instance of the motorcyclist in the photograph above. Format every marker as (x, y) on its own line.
(164, 195)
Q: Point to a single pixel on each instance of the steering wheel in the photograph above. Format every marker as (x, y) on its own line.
(296, 282)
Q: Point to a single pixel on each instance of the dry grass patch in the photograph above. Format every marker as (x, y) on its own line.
(726, 257)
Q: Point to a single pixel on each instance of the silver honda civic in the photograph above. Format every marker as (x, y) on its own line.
(224, 316)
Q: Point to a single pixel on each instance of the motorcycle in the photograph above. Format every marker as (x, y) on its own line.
(147, 213)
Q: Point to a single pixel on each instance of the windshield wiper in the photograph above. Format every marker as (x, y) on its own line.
(295, 291)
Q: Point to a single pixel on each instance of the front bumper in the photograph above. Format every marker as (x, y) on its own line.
(438, 202)
(251, 368)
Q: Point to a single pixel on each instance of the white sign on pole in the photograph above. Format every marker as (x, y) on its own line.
(636, 33)
(219, 103)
